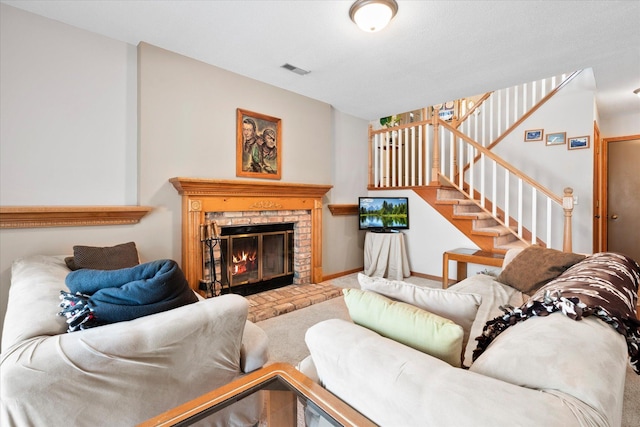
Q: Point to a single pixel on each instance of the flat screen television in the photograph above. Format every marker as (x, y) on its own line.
(383, 214)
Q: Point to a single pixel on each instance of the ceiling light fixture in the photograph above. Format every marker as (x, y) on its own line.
(637, 91)
(373, 15)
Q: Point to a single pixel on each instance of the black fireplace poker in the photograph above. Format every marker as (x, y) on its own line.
(210, 238)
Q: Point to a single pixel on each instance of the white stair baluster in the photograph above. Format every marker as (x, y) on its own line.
(376, 160)
(520, 207)
(506, 197)
(548, 222)
(534, 216)
(494, 189)
(388, 158)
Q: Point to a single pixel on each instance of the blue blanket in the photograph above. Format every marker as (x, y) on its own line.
(98, 297)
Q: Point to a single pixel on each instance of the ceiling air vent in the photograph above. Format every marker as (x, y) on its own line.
(295, 69)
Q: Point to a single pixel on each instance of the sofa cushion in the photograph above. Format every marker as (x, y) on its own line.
(584, 359)
(116, 257)
(34, 294)
(407, 324)
(459, 307)
(535, 266)
(494, 294)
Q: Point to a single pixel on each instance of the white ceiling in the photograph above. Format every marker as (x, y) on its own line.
(433, 51)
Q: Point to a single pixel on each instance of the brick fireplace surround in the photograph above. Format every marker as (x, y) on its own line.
(241, 202)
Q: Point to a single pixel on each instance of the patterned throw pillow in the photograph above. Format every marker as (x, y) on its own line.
(116, 257)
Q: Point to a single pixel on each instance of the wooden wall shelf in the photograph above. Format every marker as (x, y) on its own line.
(343, 209)
(69, 216)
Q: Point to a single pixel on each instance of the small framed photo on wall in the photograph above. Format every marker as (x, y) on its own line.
(556, 138)
(578, 142)
(533, 135)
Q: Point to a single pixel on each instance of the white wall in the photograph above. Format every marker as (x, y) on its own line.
(188, 128)
(556, 167)
(620, 125)
(67, 131)
(68, 114)
(343, 243)
(84, 119)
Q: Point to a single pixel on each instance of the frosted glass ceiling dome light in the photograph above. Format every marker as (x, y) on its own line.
(373, 15)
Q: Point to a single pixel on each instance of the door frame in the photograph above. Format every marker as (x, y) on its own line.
(600, 189)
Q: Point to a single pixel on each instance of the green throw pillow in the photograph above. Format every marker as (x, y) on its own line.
(406, 324)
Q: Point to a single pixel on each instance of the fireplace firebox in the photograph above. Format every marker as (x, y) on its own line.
(256, 258)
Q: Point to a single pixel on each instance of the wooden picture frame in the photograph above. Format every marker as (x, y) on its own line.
(533, 135)
(258, 145)
(556, 138)
(578, 142)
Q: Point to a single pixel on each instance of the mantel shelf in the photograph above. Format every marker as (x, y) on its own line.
(241, 188)
(69, 216)
(343, 209)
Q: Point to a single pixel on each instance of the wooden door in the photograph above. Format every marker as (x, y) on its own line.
(622, 210)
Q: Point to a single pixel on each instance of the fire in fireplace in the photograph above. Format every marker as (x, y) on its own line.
(255, 258)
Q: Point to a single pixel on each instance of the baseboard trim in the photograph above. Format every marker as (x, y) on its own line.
(358, 270)
(344, 273)
(427, 276)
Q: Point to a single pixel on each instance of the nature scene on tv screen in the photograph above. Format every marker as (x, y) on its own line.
(383, 213)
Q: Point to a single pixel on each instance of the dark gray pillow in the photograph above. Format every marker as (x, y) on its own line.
(116, 257)
(535, 266)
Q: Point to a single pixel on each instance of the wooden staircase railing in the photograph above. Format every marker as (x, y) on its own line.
(501, 176)
(426, 152)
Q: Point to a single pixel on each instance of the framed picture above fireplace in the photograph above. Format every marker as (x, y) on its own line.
(258, 145)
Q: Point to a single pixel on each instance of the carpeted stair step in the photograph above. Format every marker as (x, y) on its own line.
(496, 230)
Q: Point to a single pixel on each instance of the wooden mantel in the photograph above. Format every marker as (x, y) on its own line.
(69, 216)
(200, 196)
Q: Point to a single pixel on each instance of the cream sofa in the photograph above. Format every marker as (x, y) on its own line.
(546, 371)
(122, 373)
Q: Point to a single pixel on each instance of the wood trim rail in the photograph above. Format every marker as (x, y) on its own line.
(69, 216)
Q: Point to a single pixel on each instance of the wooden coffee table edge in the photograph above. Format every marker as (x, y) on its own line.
(332, 405)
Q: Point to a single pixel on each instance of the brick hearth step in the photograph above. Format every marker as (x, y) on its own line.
(265, 305)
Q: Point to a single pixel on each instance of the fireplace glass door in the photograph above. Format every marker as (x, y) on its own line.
(243, 261)
(253, 257)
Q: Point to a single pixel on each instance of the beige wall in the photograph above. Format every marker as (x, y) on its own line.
(91, 153)
(187, 127)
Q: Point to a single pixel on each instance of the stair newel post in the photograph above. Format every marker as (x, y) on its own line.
(436, 147)
(567, 205)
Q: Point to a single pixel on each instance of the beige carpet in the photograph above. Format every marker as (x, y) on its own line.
(286, 338)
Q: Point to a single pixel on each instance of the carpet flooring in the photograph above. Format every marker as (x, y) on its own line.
(286, 338)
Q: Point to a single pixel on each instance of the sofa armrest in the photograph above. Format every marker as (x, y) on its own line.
(308, 368)
(392, 384)
(254, 351)
(135, 369)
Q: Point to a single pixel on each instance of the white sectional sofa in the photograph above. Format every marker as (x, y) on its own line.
(123, 373)
(545, 371)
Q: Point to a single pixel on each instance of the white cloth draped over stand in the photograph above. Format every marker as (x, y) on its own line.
(385, 255)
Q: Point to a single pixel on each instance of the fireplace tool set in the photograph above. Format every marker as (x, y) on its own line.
(210, 239)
